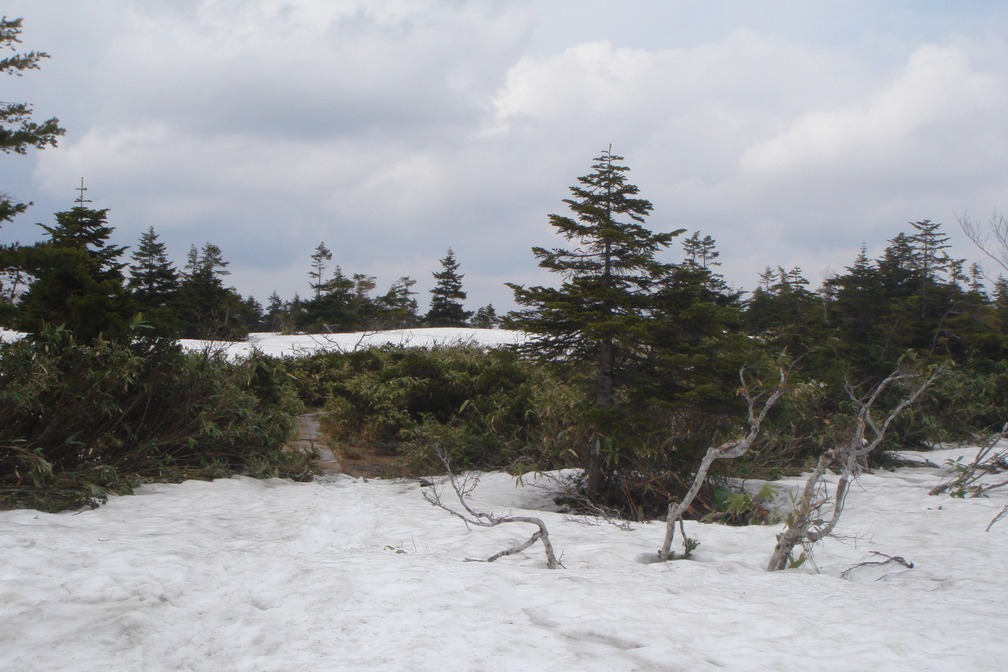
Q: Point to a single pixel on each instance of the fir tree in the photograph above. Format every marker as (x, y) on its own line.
(397, 306)
(78, 278)
(446, 308)
(153, 278)
(205, 307)
(317, 273)
(600, 312)
(485, 317)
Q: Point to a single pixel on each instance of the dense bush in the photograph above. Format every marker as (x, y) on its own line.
(484, 407)
(84, 420)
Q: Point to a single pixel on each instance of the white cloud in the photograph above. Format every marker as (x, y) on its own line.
(934, 97)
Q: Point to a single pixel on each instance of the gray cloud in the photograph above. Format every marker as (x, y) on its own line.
(393, 130)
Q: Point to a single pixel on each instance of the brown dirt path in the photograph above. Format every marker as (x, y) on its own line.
(360, 463)
(310, 437)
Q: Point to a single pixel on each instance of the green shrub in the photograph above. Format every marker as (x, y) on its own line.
(85, 420)
(485, 408)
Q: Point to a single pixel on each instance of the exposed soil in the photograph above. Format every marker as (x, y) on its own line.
(336, 459)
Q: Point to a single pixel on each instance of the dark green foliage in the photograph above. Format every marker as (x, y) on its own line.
(447, 296)
(344, 305)
(83, 420)
(397, 309)
(77, 279)
(154, 283)
(485, 318)
(484, 408)
(600, 313)
(204, 306)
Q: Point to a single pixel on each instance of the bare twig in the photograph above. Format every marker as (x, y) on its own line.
(470, 516)
(869, 563)
(997, 227)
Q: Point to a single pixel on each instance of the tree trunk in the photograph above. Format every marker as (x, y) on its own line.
(604, 400)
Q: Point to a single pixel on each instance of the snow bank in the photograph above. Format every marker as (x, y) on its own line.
(281, 345)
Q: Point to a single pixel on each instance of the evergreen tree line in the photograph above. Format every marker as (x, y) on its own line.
(914, 296)
(658, 347)
(77, 279)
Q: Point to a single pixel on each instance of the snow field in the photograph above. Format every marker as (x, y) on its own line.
(345, 574)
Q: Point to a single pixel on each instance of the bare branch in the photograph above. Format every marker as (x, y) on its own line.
(470, 516)
(996, 227)
(808, 523)
(726, 451)
(872, 563)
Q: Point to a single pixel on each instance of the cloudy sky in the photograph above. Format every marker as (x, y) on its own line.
(791, 132)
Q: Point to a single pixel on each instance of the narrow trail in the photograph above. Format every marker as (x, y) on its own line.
(310, 437)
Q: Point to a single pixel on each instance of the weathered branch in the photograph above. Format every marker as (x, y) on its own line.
(471, 516)
(899, 560)
(808, 523)
(726, 451)
(998, 227)
(989, 459)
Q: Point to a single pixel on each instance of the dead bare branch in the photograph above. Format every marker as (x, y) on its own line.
(997, 227)
(810, 521)
(470, 516)
(726, 451)
(872, 563)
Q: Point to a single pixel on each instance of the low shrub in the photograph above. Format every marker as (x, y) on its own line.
(485, 408)
(85, 420)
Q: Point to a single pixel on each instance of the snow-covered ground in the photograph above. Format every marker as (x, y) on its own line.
(344, 574)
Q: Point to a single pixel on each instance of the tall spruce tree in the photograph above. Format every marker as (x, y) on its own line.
(153, 282)
(446, 308)
(319, 257)
(600, 313)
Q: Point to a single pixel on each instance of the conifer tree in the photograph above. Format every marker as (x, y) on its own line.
(205, 307)
(276, 313)
(78, 277)
(600, 313)
(317, 273)
(18, 132)
(397, 306)
(153, 278)
(446, 308)
(485, 317)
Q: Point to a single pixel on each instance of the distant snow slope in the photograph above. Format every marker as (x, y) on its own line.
(281, 345)
(303, 344)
